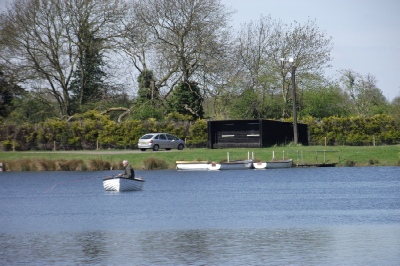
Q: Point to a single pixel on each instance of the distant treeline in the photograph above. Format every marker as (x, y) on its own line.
(92, 131)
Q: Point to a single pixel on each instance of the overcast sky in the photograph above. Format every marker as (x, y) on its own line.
(366, 33)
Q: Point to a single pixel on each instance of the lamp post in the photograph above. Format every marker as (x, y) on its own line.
(293, 73)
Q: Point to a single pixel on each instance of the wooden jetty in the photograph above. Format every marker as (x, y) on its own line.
(317, 160)
(316, 164)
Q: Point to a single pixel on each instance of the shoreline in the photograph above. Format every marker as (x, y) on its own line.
(341, 156)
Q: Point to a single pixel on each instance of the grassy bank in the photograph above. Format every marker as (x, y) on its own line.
(101, 160)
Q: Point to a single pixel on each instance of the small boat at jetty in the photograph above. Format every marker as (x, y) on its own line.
(232, 165)
(192, 165)
(115, 183)
(273, 164)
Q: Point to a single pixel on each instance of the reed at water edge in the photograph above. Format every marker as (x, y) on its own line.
(75, 165)
(148, 160)
(41, 164)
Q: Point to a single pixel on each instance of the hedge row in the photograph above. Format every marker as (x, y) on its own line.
(94, 131)
(354, 131)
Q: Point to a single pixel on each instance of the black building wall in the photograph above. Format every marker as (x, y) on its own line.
(253, 133)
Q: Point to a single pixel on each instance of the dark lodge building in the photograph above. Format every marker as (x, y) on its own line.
(253, 133)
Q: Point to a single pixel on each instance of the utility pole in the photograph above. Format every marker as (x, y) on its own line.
(295, 132)
(293, 73)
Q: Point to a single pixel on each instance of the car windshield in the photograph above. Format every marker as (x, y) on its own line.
(149, 136)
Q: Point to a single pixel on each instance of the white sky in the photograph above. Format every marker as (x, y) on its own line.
(366, 33)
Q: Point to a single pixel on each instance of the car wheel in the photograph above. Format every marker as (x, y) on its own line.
(180, 147)
(155, 148)
(143, 149)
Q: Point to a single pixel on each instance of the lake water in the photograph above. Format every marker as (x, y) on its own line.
(298, 216)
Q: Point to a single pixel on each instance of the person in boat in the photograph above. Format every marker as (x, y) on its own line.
(129, 172)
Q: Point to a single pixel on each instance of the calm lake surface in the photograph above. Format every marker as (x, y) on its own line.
(298, 216)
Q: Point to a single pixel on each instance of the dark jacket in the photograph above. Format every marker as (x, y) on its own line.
(129, 172)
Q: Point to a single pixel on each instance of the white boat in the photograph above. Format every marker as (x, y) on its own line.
(192, 165)
(232, 165)
(111, 183)
(273, 164)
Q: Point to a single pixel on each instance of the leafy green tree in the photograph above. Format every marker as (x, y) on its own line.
(244, 107)
(145, 110)
(147, 90)
(148, 104)
(394, 110)
(8, 95)
(323, 100)
(187, 100)
(87, 85)
(32, 109)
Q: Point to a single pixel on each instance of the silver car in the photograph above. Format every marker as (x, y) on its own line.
(158, 141)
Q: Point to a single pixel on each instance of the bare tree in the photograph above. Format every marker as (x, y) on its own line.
(365, 97)
(253, 44)
(43, 45)
(184, 38)
(262, 44)
(308, 46)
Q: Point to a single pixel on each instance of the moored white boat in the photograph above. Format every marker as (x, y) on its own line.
(260, 165)
(273, 164)
(111, 183)
(233, 165)
(192, 165)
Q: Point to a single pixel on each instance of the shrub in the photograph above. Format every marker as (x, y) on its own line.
(198, 133)
(97, 164)
(117, 166)
(350, 163)
(61, 165)
(155, 163)
(373, 161)
(7, 145)
(75, 165)
(20, 165)
(47, 165)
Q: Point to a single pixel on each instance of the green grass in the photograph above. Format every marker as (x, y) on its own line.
(342, 155)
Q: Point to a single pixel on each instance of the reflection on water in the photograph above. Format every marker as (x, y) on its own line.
(331, 216)
(347, 245)
(240, 247)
